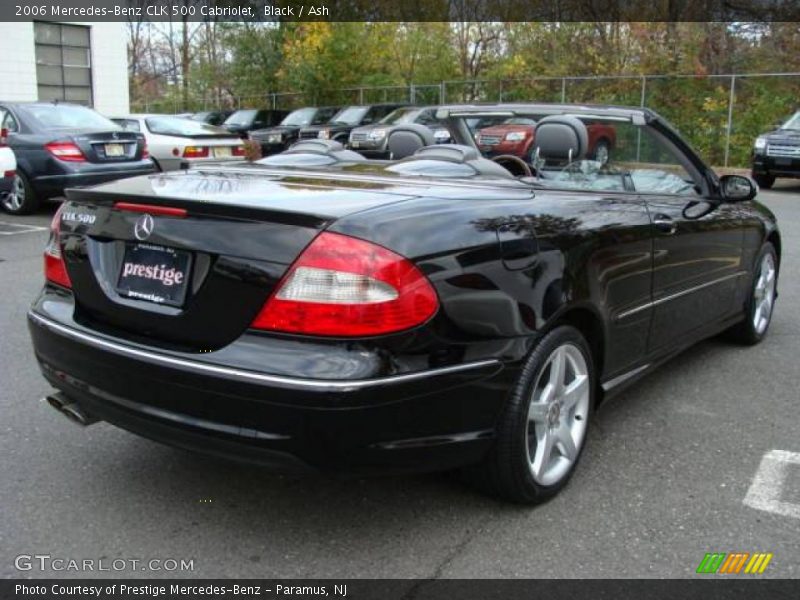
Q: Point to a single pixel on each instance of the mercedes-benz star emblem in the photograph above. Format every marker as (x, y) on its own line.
(144, 227)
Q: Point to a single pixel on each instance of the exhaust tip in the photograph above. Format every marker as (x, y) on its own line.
(70, 409)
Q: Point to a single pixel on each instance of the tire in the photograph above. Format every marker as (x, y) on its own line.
(22, 200)
(761, 300)
(764, 181)
(602, 151)
(518, 467)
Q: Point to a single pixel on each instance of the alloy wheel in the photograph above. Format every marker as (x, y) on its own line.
(764, 293)
(15, 199)
(558, 415)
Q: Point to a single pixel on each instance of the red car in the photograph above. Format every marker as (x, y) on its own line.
(515, 136)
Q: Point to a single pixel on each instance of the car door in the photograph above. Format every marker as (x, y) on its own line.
(697, 251)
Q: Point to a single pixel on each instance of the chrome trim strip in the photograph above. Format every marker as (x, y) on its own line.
(620, 379)
(319, 385)
(632, 311)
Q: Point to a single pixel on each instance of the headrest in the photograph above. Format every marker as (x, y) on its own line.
(561, 137)
(408, 138)
(449, 152)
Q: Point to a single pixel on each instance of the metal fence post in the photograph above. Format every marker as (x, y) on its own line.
(442, 92)
(563, 90)
(500, 91)
(639, 130)
(730, 119)
(361, 95)
(412, 94)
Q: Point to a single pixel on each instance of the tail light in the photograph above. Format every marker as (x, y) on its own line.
(9, 173)
(238, 150)
(66, 151)
(195, 152)
(145, 150)
(55, 270)
(3, 137)
(343, 286)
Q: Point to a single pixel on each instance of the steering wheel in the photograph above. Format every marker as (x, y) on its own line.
(514, 165)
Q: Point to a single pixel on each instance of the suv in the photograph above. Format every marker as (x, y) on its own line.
(66, 145)
(515, 136)
(279, 138)
(777, 153)
(242, 122)
(373, 140)
(347, 119)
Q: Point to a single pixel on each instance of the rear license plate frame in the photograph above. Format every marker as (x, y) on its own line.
(150, 286)
(117, 152)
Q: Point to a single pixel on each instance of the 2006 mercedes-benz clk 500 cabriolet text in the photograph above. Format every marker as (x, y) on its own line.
(318, 311)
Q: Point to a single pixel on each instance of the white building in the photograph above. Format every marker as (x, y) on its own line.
(85, 63)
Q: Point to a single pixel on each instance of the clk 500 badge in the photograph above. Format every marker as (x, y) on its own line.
(73, 217)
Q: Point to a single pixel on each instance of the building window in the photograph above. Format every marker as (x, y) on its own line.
(63, 62)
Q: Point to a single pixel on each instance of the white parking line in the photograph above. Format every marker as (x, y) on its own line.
(765, 491)
(17, 228)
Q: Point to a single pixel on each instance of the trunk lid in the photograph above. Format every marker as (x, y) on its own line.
(226, 238)
(109, 146)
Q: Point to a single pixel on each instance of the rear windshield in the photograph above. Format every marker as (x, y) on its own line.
(128, 124)
(177, 126)
(65, 116)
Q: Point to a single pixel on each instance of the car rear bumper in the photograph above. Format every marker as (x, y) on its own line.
(421, 421)
(89, 174)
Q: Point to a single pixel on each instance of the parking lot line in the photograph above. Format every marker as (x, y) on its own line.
(765, 491)
(7, 228)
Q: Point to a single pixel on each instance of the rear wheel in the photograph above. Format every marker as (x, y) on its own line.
(761, 302)
(764, 181)
(22, 199)
(543, 427)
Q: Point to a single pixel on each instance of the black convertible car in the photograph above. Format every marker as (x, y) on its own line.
(318, 311)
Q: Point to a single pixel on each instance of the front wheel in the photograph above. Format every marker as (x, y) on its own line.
(764, 181)
(543, 427)
(22, 199)
(761, 301)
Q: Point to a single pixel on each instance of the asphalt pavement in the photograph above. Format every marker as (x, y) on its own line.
(674, 468)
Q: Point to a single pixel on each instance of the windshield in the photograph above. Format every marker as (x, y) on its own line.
(793, 123)
(300, 117)
(351, 115)
(181, 127)
(62, 116)
(401, 115)
(241, 117)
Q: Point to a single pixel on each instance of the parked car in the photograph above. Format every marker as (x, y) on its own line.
(777, 153)
(65, 145)
(8, 166)
(516, 135)
(373, 140)
(176, 143)
(279, 138)
(242, 122)
(212, 117)
(435, 312)
(348, 118)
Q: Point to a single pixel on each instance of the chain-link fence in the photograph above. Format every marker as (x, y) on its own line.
(720, 114)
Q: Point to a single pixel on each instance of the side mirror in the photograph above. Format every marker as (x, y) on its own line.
(737, 188)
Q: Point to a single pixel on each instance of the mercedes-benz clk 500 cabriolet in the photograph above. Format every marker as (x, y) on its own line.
(317, 311)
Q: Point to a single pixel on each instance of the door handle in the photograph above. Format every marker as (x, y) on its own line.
(665, 224)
